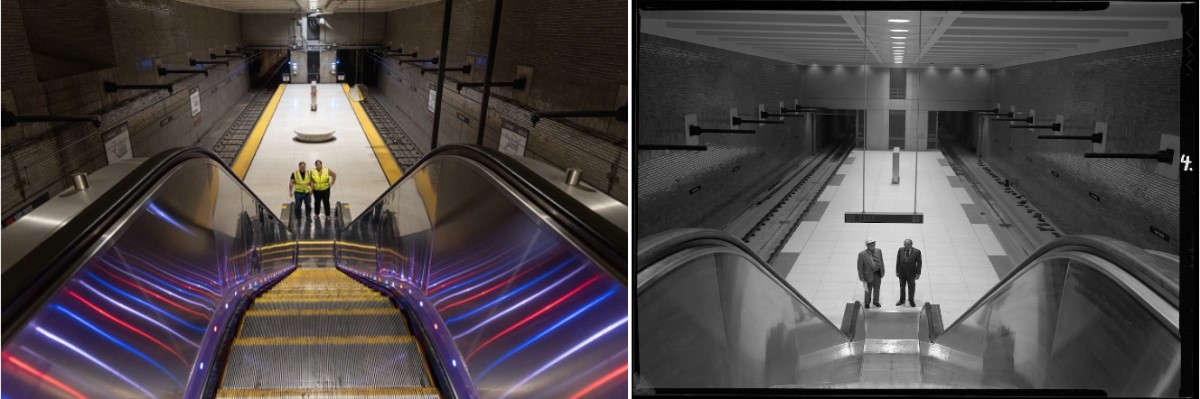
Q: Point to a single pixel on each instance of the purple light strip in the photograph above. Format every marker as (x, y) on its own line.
(519, 304)
(566, 354)
(136, 313)
(493, 278)
(93, 359)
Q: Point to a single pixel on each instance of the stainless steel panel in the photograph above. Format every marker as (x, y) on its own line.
(134, 320)
(714, 318)
(529, 312)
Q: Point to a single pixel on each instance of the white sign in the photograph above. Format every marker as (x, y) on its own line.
(195, 94)
(116, 144)
(432, 96)
(513, 138)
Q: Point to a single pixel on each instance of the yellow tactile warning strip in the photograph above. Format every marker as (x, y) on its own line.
(329, 393)
(320, 334)
(241, 164)
(391, 168)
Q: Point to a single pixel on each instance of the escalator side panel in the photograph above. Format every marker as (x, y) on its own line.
(528, 312)
(136, 318)
(717, 320)
(1062, 322)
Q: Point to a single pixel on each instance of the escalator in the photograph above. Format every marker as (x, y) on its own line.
(475, 275)
(1083, 315)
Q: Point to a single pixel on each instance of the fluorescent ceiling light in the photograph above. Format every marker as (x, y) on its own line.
(898, 20)
(899, 37)
(900, 30)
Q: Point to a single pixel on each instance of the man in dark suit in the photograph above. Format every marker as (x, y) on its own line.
(908, 269)
(870, 272)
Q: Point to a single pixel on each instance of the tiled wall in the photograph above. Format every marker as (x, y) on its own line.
(39, 157)
(584, 70)
(709, 189)
(1136, 91)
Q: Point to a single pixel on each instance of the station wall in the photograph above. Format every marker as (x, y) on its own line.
(126, 40)
(710, 188)
(584, 71)
(1135, 90)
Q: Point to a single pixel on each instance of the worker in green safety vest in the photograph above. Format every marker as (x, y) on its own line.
(323, 178)
(300, 185)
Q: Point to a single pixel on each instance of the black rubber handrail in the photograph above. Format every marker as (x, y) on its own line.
(607, 240)
(657, 247)
(1156, 272)
(31, 280)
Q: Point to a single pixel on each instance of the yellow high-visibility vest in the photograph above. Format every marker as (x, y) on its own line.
(320, 179)
(301, 179)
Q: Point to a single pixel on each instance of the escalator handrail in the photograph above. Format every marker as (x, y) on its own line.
(600, 235)
(1149, 269)
(657, 247)
(36, 276)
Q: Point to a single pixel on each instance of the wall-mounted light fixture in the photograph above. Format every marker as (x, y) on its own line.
(985, 111)
(765, 115)
(193, 62)
(738, 121)
(463, 69)
(111, 87)
(432, 60)
(8, 119)
(694, 130)
(164, 71)
(619, 114)
(1055, 127)
(1162, 156)
(517, 84)
(1026, 119)
(1094, 137)
(399, 54)
(215, 56)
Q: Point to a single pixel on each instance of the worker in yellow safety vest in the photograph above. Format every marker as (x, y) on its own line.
(323, 178)
(300, 185)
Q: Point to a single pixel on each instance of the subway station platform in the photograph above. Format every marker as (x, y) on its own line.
(360, 172)
(961, 254)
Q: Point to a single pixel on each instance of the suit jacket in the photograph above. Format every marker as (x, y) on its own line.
(866, 271)
(908, 266)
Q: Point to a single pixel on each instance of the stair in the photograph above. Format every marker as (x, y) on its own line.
(320, 334)
(891, 351)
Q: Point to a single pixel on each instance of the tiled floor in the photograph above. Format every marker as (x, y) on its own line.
(956, 270)
(360, 179)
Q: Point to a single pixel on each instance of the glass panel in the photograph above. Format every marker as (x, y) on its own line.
(1021, 327)
(1108, 340)
(719, 321)
(528, 312)
(132, 321)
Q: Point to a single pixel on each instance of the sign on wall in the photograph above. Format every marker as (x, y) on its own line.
(513, 138)
(432, 96)
(116, 144)
(195, 95)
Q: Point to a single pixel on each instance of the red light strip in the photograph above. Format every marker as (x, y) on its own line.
(501, 284)
(534, 315)
(152, 293)
(39, 374)
(606, 378)
(132, 328)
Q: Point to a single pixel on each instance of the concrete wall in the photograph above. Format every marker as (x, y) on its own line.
(279, 29)
(1135, 90)
(927, 89)
(39, 157)
(583, 70)
(710, 188)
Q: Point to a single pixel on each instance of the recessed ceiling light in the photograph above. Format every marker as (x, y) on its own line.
(897, 46)
(899, 37)
(898, 20)
(900, 30)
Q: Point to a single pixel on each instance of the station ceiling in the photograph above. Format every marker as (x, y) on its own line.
(911, 38)
(295, 6)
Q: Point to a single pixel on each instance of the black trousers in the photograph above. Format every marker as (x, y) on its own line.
(321, 197)
(912, 286)
(873, 287)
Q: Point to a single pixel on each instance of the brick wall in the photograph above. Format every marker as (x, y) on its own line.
(39, 157)
(710, 188)
(1136, 91)
(578, 56)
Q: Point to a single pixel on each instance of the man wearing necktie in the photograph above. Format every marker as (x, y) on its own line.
(908, 269)
(870, 272)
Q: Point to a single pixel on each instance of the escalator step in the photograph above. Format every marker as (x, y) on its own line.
(329, 365)
(322, 303)
(325, 326)
(404, 393)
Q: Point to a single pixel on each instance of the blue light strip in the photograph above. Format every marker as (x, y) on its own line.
(64, 342)
(566, 354)
(151, 306)
(546, 331)
(513, 292)
(118, 342)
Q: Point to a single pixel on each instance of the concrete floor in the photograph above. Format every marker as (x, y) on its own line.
(957, 250)
(360, 179)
